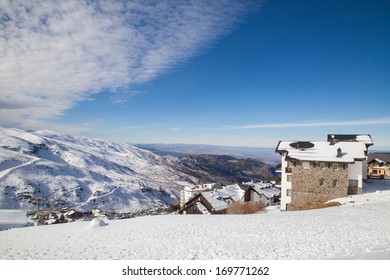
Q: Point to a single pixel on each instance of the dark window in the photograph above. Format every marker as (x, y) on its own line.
(353, 183)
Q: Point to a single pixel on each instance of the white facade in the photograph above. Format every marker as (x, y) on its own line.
(256, 198)
(189, 192)
(354, 170)
(355, 173)
(262, 196)
(285, 196)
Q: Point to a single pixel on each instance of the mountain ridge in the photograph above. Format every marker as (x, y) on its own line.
(88, 173)
(85, 173)
(266, 155)
(226, 168)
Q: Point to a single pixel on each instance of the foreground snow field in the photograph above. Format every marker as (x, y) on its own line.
(358, 230)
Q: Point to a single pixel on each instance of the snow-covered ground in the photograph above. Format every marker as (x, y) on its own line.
(360, 229)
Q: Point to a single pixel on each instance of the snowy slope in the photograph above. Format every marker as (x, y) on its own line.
(84, 173)
(360, 229)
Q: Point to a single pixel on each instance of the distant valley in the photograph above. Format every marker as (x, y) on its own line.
(224, 168)
(266, 155)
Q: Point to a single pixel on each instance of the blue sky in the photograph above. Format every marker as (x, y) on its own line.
(243, 73)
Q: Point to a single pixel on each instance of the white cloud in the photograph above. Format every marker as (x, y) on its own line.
(54, 54)
(382, 121)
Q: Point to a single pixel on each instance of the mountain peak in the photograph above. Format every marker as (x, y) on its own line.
(83, 173)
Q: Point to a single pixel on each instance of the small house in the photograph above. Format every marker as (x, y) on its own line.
(205, 203)
(213, 202)
(264, 193)
(378, 169)
(190, 191)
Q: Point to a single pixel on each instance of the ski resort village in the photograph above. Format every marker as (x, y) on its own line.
(56, 187)
(312, 173)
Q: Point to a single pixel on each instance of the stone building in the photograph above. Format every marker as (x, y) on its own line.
(315, 172)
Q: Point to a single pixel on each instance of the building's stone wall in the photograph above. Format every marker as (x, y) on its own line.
(306, 187)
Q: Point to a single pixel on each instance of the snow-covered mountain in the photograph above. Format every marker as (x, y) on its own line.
(83, 173)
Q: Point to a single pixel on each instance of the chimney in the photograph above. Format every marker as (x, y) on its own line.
(339, 152)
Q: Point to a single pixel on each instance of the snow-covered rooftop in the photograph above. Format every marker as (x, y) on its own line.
(259, 184)
(268, 192)
(202, 208)
(324, 151)
(215, 200)
(365, 138)
(232, 191)
(379, 161)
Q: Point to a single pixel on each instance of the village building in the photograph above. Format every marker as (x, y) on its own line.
(379, 166)
(204, 203)
(262, 192)
(213, 202)
(315, 172)
(190, 191)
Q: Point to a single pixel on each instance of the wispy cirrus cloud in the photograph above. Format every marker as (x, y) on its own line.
(381, 121)
(54, 54)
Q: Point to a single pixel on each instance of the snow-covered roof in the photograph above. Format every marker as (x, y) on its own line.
(382, 164)
(273, 190)
(379, 161)
(215, 200)
(261, 184)
(365, 138)
(202, 208)
(323, 151)
(232, 191)
(268, 192)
